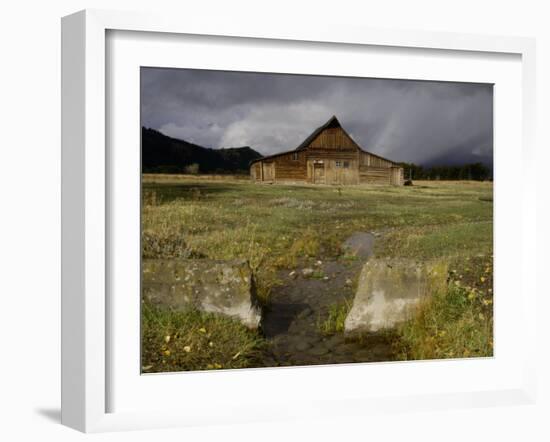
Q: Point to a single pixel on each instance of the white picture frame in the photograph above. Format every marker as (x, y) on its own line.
(86, 202)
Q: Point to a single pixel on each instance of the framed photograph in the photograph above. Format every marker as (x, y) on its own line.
(270, 222)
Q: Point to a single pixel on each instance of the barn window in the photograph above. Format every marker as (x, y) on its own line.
(346, 164)
(338, 164)
(295, 156)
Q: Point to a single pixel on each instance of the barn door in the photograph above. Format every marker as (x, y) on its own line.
(319, 173)
(269, 172)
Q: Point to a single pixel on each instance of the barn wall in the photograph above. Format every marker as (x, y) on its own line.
(256, 172)
(290, 167)
(374, 175)
(333, 138)
(328, 154)
(397, 176)
(268, 171)
(341, 174)
(329, 158)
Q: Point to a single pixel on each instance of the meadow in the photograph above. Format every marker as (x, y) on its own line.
(283, 227)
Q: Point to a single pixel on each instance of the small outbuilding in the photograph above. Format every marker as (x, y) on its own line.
(328, 156)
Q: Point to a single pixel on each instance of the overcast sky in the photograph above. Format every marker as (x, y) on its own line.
(423, 122)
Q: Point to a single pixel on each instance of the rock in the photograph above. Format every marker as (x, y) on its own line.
(349, 282)
(307, 272)
(325, 278)
(223, 287)
(360, 244)
(389, 290)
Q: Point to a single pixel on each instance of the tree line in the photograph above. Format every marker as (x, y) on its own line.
(471, 171)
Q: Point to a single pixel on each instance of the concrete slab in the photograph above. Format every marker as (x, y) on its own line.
(223, 287)
(390, 289)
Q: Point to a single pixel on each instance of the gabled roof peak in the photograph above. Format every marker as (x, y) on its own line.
(331, 123)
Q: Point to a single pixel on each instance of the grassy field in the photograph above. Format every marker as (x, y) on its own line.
(277, 226)
(193, 340)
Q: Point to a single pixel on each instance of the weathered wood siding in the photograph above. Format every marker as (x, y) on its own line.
(397, 178)
(268, 171)
(336, 171)
(333, 138)
(368, 159)
(290, 167)
(376, 170)
(374, 175)
(256, 171)
(347, 172)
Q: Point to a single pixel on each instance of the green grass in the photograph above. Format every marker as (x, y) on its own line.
(277, 226)
(194, 340)
(461, 239)
(454, 323)
(336, 318)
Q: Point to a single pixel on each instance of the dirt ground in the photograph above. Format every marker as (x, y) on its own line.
(299, 305)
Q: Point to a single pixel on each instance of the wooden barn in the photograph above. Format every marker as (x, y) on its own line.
(328, 156)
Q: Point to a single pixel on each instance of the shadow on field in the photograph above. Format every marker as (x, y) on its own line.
(196, 190)
(279, 316)
(192, 190)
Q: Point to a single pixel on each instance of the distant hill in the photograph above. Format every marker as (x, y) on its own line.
(163, 154)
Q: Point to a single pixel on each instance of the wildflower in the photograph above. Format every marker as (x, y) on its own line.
(166, 352)
(482, 279)
(167, 339)
(202, 330)
(187, 348)
(211, 344)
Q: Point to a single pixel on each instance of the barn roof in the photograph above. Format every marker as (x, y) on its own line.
(331, 123)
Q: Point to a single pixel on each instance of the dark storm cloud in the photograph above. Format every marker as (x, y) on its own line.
(416, 121)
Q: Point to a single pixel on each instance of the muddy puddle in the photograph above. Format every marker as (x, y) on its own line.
(299, 306)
